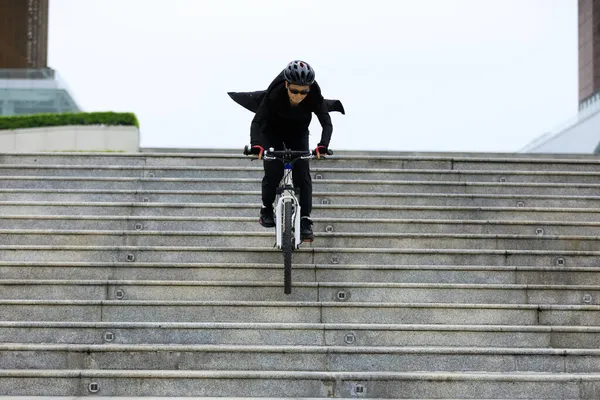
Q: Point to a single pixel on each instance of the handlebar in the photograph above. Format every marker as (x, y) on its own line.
(271, 154)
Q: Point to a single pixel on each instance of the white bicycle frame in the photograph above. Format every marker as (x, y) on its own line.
(288, 195)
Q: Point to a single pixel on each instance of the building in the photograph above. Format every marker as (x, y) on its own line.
(581, 134)
(27, 84)
(23, 33)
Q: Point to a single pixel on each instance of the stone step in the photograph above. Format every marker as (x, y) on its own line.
(168, 398)
(447, 161)
(298, 312)
(317, 172)
(325, 197)
(315, 255)
(165, 398)
(323, 211)
(55, 289)
(408, 385)
(271, 272)
(329, 185)
(302, 334)
(320, 224)
(165, 357)
(266, 238)
(453, 155)
(159, 398)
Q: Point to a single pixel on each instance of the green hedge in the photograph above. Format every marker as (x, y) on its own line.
(46, 120)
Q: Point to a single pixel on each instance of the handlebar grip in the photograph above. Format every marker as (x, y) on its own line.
(328, 153)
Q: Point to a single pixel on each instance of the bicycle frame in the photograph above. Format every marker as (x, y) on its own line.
(286, 194)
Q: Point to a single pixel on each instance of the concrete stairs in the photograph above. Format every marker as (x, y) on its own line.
(432, 276)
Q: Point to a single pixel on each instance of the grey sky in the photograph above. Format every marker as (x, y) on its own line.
(413, 75)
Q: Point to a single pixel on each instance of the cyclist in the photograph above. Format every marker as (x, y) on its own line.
(283, 118)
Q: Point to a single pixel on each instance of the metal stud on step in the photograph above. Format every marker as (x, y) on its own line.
(326, 201)
(329, 228)
(335, 260)
(539, 231)
(560, 261)
(359, 389)
(109, 336)
(520, 204)
(94, 387)
(130, 257)
(139, 227)
(587, 298)
(319, 176)
(342, 295)
(120, 294)
(350, 338)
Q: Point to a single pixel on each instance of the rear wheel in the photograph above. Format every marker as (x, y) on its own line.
(287, 244)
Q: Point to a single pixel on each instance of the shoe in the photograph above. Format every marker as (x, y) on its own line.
(266, 217)
(306, 233)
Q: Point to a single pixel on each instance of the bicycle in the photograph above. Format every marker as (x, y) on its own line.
(287, 209)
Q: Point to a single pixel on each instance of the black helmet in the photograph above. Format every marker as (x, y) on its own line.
(299, 73)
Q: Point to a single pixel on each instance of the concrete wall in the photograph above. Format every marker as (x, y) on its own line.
(71, 138)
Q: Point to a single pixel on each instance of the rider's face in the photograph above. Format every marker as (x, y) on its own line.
(297, 93)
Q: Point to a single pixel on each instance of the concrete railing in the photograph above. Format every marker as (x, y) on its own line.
(71, 138)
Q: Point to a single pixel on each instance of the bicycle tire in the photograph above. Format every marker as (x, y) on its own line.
(287, 244)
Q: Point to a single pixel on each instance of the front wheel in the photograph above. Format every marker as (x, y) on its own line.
(287, 245)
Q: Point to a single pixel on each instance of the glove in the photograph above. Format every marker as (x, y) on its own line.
(258, 150)
(321, 149)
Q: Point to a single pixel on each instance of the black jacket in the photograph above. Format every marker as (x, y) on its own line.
(276, 117)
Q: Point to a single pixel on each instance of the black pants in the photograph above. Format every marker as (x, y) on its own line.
(300, 173)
